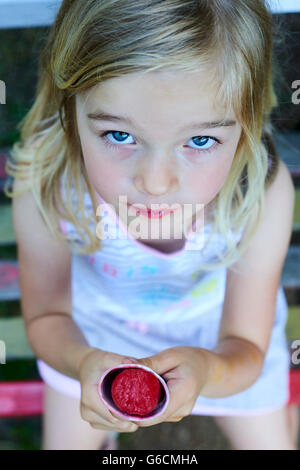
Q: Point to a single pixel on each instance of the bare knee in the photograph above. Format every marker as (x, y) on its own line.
(258, 432)
(63, 427)
(293, 422)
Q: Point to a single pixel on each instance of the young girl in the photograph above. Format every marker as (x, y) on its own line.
(161, 105)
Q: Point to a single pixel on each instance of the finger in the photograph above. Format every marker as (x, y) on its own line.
(95, 403)
(105, 359)
(171, 418)
(110, 360)
(100, 415)
(120, 426)
(171, 413)
(176, 420)
(161, 362)
(129, 428)
(148, 422)
(97, 422)
(94, 419)
(177, 407)
(179, 413)
(104, 418)
(91, 400)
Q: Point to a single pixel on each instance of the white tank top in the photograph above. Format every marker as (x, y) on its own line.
(135, 282)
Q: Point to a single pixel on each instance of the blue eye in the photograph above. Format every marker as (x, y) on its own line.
(121, 137)
(203, 142)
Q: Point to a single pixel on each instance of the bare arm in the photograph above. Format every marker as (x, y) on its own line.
(58, 341)
(250, 299)
(45, 284)
(233, 366)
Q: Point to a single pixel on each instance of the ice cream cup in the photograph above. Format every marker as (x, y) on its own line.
(104, 389)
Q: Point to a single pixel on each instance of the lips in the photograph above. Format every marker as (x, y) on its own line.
(151, 214)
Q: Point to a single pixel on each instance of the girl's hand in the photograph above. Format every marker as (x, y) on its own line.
(184, 370)
(92, 408)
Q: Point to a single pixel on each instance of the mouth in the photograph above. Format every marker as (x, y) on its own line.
(151, 214)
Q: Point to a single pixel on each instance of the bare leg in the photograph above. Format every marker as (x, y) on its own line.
(261, 432)
(293, 422)
(63, 427)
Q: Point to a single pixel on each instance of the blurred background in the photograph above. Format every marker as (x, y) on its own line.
(19, 51)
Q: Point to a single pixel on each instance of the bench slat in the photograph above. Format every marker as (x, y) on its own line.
(288, 147)
(22, 398)
(7, 234)
(296, 225)
(12, 332)
(290, 278)
(292, 329)
(9, 281)
(294, 387)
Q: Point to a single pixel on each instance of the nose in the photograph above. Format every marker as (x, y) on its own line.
(157, 176)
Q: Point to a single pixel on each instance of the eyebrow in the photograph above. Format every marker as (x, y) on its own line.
(101, 116)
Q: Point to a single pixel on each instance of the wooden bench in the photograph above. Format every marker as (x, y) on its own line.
(22, 398)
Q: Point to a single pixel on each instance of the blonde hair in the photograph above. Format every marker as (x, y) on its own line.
(93, 41)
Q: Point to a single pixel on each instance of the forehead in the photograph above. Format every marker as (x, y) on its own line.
(163, 90)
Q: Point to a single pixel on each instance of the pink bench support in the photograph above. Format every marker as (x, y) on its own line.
(22, 398)
(294, 387)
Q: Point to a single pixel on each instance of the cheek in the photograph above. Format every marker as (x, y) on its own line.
(103, 174)
(207, 183)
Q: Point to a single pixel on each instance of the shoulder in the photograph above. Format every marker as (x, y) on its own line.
(272, 236)
(282, 183)
(280, 199)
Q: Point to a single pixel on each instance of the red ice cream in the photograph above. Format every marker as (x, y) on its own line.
(136, 391)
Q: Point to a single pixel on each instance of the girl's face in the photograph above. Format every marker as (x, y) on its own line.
(154, 139)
